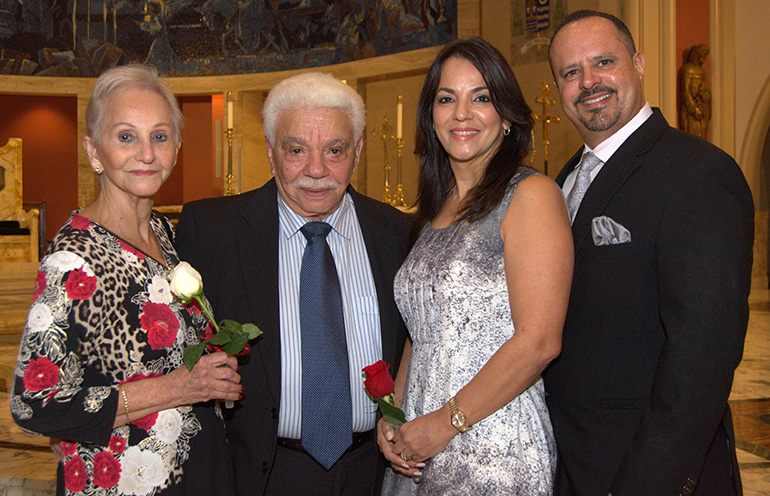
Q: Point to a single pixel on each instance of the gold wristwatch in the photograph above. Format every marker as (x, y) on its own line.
(457, 417)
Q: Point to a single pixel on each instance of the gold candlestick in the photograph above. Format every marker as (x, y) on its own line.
(385, 133)
(398, 201)
(547, 119)
(230, 133)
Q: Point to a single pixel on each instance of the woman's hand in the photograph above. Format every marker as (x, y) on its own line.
(213, 377)
(418, 440)
(409, 468)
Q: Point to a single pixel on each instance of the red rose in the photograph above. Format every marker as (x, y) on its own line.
(41, 374)
(160, 323)
(79, 285)
(75, 475)
(106, 470)
(211, 348)
(79, 222)
(41, 282)
(147, 422)
(117, 444)
(131, 249)
(68, 448)
(378, 381)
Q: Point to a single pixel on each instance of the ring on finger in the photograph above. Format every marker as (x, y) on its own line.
(403, 456)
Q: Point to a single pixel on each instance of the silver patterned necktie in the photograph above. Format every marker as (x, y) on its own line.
(582, 182)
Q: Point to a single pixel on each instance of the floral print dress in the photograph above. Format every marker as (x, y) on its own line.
(103, 315)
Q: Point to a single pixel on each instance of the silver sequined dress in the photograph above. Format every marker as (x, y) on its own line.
(453, 295)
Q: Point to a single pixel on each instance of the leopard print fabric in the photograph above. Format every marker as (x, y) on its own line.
(103, 315)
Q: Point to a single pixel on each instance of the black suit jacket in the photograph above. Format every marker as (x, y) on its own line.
(233, 242)
(655, 327)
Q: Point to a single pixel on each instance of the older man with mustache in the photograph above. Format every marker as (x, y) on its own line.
(663, 225)
(311, 262)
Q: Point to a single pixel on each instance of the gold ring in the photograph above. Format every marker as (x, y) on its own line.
(403, 456)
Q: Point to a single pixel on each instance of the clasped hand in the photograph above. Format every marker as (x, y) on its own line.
(214, 376)
(417, 441)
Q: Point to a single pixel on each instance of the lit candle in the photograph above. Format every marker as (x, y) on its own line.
(400, 117)
(229, 110)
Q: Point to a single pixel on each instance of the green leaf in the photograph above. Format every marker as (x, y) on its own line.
(251, 330)
(236, 345)
(193, 353)
(223, 337)
(231, 326)
(392, 414)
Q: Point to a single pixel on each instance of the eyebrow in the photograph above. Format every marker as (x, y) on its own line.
(449, 90)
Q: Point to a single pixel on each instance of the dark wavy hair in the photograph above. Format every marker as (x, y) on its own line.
(436, 178)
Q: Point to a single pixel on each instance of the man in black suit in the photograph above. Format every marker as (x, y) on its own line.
(658, 309)
(249, 251)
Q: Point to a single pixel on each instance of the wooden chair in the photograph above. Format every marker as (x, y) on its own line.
(18, 227)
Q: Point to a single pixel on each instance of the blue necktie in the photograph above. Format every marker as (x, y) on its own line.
(327, 425)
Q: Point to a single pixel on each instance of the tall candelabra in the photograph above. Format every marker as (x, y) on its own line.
(385, 133)
(230, 133)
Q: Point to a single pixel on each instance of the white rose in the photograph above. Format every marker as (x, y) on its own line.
(159, 290)
(185, 282)
(65, 261)
(168, 425)
(40, 318)
(141, 471)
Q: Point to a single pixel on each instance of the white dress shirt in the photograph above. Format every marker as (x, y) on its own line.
(360, 308)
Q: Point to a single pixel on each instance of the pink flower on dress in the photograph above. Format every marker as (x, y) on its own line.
(80, 222)
(117, 444)
(80, 285)
(160, 323)
(106, 470)
(75, 475)
(131, 249)
(41, 282)
(41, 374)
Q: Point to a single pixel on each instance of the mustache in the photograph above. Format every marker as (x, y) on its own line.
(589, 93)
(310, 183)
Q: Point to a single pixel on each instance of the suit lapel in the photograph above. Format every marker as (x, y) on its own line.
(614, 174)
(258, 250)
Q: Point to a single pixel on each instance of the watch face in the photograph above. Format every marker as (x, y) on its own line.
(458, 421)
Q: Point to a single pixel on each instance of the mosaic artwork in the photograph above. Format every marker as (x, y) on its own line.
(211, 37)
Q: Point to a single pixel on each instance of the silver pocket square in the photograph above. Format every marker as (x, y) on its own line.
(606, 231)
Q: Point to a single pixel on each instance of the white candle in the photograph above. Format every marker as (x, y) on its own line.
(229, 110)
(400, 117)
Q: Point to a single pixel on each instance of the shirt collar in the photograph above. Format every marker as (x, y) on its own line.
(608, 147)
(342, 220)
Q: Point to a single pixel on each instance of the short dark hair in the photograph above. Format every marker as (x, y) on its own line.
(623, 33)
(509, 103)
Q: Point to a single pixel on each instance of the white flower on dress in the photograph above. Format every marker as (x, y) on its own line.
(40, 317)
(168, 426)
(160, 291)
(141, 471)
(65, 261)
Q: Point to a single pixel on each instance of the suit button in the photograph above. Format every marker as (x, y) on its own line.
(691, 481)
(264, 467)
(273, 413)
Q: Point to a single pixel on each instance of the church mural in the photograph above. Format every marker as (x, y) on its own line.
(212, 37)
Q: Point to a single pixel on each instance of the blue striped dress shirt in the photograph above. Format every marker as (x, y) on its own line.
(360, 307)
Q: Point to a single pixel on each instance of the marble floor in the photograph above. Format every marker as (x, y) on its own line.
(27, 467)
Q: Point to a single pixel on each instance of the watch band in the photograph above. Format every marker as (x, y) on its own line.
(458, 417)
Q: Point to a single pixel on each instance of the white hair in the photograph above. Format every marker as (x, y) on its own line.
(313, 90)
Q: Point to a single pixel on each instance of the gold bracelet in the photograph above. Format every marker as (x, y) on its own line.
(125, 402)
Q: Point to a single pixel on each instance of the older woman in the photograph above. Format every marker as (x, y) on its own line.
(100, 364)
(483, 293)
